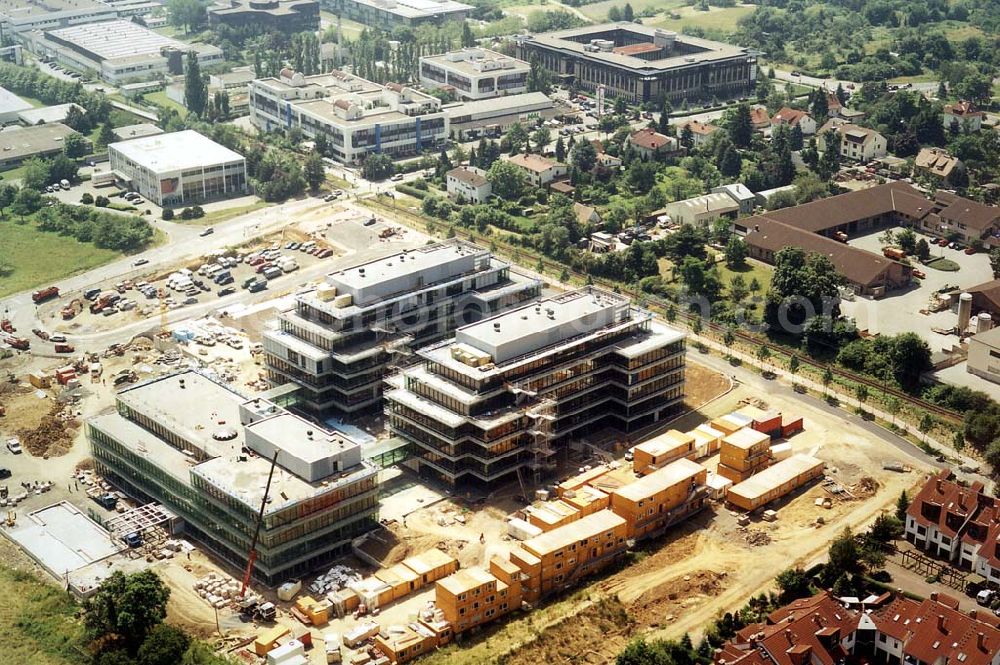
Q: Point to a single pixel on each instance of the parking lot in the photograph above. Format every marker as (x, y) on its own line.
(900, 310)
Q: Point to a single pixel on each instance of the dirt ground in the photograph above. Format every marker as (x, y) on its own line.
(702, 385)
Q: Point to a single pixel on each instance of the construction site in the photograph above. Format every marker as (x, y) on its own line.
(287, 536)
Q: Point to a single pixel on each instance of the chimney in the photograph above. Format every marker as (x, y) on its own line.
(939, 486)
(941, 626)
(981, 641)
(182, 384)
(934, 595)
(496, 327)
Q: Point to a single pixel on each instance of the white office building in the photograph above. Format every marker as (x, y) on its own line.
(475, 73)
(179, 168)
(357, 117)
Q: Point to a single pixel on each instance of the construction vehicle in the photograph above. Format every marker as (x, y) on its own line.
(105, 500)
(252, 555)
(251, 608)
(41, 334)
(125, 376)
(7, 326)
(65, 348)
(45, 294)
(894, 253)
(14, 341)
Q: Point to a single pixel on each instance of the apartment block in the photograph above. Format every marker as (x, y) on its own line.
(475, 73)
(661, 499)
(337, 341)
(356, 116)
(183, 440)
(560, 558)
(473, 596)
(501, 396)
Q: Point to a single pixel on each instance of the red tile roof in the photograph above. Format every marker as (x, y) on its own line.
(945, 504)
(759, 117)
(962, 109)
(650, 139)
(788, 116)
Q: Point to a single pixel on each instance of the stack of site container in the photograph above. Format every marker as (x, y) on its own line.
(744, 453)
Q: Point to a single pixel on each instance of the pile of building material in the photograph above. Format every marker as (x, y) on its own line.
(335, 579)
(218, 590)
(756, 537)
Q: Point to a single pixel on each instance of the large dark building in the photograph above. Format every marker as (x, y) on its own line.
(641, 63)
(284, 16)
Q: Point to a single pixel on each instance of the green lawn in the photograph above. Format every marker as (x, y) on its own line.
(943, 264)
(599, 10)
(721, 19)
(350, 29)
(752, 270)
(160, 98)
(15, 173)
(37, 258)
(38, 621)
(220, 215)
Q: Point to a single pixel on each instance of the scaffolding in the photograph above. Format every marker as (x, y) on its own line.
(146, 520)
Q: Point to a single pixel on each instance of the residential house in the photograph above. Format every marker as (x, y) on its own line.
(703, 209)
(833, 105)
(851, 115)
(539, 170)
(604, 159)
(739, 193)
(963, 112)
(857, 143)
(586, 215)
(701, 132)
(468, 183)
(760, 118)
(937, 163)
(792, 117)
(984, 351)
(600, 242)
(649, 143)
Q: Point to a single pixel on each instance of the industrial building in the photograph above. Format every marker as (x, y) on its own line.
(18, 16)
(492, 117)
(18, 143)
(391, 14)
(475, 73)
(357, 117)
(204, 451)
(641, 63)
(775, 482)
(337, 342)
(501, 395)
(120, 51)
(47, 114)
(288, 16)
(178, 168)
(11, 106)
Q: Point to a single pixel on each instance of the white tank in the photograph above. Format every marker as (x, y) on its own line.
(984, 322)
(964, 311)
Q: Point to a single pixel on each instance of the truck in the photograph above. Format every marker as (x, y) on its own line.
(106, 500)
(894, 253)
(65, 348)
(15, 342)
(45, 294)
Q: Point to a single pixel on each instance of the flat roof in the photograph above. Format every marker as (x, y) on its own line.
(746, 438)
(669, 476)
(428, 561)
(176, 151)
(476, 61)
(24, 8)
(543, 323)
(112, 40)
(466, 579)
(526, 101)
(17, 142)
(669, 440)
(585, 527)
(46, 114)
(11, 103)
(136, 131)
(697, 50)
(775, 476)
(416, 8)
(300, 438)
(62, 538)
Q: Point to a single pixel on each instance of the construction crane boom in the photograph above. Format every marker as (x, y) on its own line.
(252, 556)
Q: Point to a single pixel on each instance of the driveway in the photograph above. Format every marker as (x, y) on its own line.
(900, 311)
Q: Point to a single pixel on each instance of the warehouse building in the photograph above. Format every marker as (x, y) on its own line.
(357, 117)
(18, 143)
(181, 440)
(775, 482)
(288, 16)
(475, 73)
(391, 14)
(178, 168)
(641, 63)
(501, 396)
(18, 16)
(11, 106)
(471, 120)
(119, 51)
(337, 342)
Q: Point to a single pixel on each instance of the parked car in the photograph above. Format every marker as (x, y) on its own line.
(14, 445)
(370, 221)
(207, 232)
(140, 262)
(288, 245)
(4, 474)
(396, 177)
(324, 253)
(190, 300)
(970, 250)
(229, 290)
(132, 539)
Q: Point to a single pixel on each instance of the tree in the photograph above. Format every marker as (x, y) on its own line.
(741, 129)
(907, 240)
(106, 136)
(627, 13)
(829, 162)
(468, 39)
(731, 163)
(538, 78)
(27, 201)
(793, 584)
(7, 194)
(614, 14)
(76, 119)
(975, 87)
(560, 150)
(506, 180)
(844, 556)
(795, 138)
(728, 338)
(861, 392)
(923, 252)
(641, 176)
(736, 252)
(35, 174)
(165, 645)
(819, 105)
(910, 356)
(686, 138)
(63, 168)
(926, 423)
(377, 167)
(74, 145)
(893, 406)
(517, 136)
(686, 241)
(186, 14)
(127, 606)
(763, 354)
(541, 137)
(995, 262)
(583, 156)
(313, 171)
(902, 504)
(827, 379)
(738, 289)
(195, 87)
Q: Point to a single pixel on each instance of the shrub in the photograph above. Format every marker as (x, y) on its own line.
(87, 199)
(101, 202)
(168, 214)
